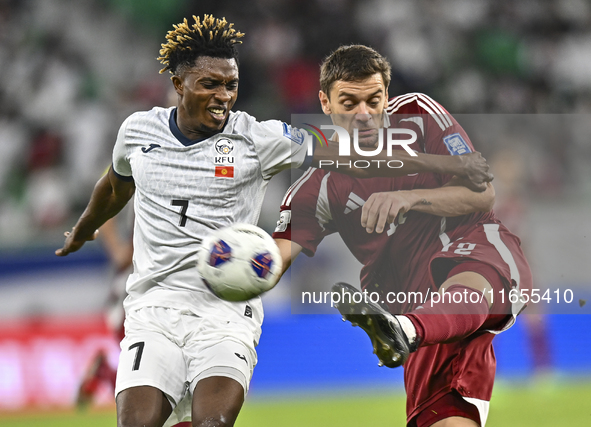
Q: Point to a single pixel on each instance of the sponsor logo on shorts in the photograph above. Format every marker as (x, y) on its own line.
(240, 356)
(248, 311)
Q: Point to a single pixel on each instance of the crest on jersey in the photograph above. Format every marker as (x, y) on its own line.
(224, 157)
(224, 147)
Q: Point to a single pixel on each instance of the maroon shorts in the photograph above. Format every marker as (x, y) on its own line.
(449, 405)
(467, 367)
(485, 248)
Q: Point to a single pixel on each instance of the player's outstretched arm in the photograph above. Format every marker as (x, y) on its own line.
(109, 196)
(472, 167)
(289, 251)
(450, 200)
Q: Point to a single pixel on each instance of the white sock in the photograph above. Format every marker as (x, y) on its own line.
(408, 328)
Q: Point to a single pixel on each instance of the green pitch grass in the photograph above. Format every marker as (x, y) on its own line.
(538, 404)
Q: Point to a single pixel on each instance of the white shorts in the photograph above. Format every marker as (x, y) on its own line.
(172, 350)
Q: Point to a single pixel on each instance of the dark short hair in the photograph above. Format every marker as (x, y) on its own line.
(208, 37)
(353, 63)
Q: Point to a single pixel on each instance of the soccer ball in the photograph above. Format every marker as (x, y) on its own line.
(239, 262)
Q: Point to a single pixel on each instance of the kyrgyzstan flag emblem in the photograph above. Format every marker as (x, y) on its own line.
(224, 171)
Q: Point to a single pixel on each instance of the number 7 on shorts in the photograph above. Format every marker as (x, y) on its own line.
(138, 354)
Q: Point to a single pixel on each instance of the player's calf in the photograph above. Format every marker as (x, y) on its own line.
(448, 321)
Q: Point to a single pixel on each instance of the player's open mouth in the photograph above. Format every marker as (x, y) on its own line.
(218, 113)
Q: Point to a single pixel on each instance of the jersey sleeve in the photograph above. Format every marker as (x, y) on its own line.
(305, 216)
(437, 131)
(279, 146)
(121, 165)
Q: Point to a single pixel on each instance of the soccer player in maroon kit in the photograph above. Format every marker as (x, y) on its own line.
(418, 235)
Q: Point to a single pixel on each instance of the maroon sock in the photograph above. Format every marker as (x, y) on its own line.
(448, 321)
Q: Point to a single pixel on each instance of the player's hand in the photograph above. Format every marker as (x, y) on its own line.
(71, 244)
(475, 170)
(382, 208)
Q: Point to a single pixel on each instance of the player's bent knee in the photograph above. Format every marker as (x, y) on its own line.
(217, 402)
(214, 422)
(456, 422)
(226, 419)
(471, 280)
(139, 418)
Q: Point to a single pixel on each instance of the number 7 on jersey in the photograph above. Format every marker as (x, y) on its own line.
(184, 204)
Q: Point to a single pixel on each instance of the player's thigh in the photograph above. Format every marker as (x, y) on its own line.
(470, 279)
(217, 401)
(142, 406)
(149, 358)
(221, 368)
(483, 278)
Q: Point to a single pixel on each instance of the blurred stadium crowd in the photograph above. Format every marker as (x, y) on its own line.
(70, 72)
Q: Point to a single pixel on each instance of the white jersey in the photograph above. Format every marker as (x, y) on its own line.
(184, 190)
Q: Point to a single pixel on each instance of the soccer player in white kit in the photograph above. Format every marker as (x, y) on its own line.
(195, 168)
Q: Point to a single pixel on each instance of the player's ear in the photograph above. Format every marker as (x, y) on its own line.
(325, 103)
(178, 84)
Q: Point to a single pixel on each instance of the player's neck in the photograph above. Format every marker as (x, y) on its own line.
(194, 130)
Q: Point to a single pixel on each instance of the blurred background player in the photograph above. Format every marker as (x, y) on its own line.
(446, 348)
(116, 237)
(511, 207)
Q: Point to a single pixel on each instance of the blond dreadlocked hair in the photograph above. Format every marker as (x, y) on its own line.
(208, 37)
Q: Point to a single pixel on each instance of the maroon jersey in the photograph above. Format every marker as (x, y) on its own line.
(399, 259)
(413, 254)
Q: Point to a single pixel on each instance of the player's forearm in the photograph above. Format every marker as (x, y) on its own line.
(452, 200)
(289, 251)
(105, 202)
